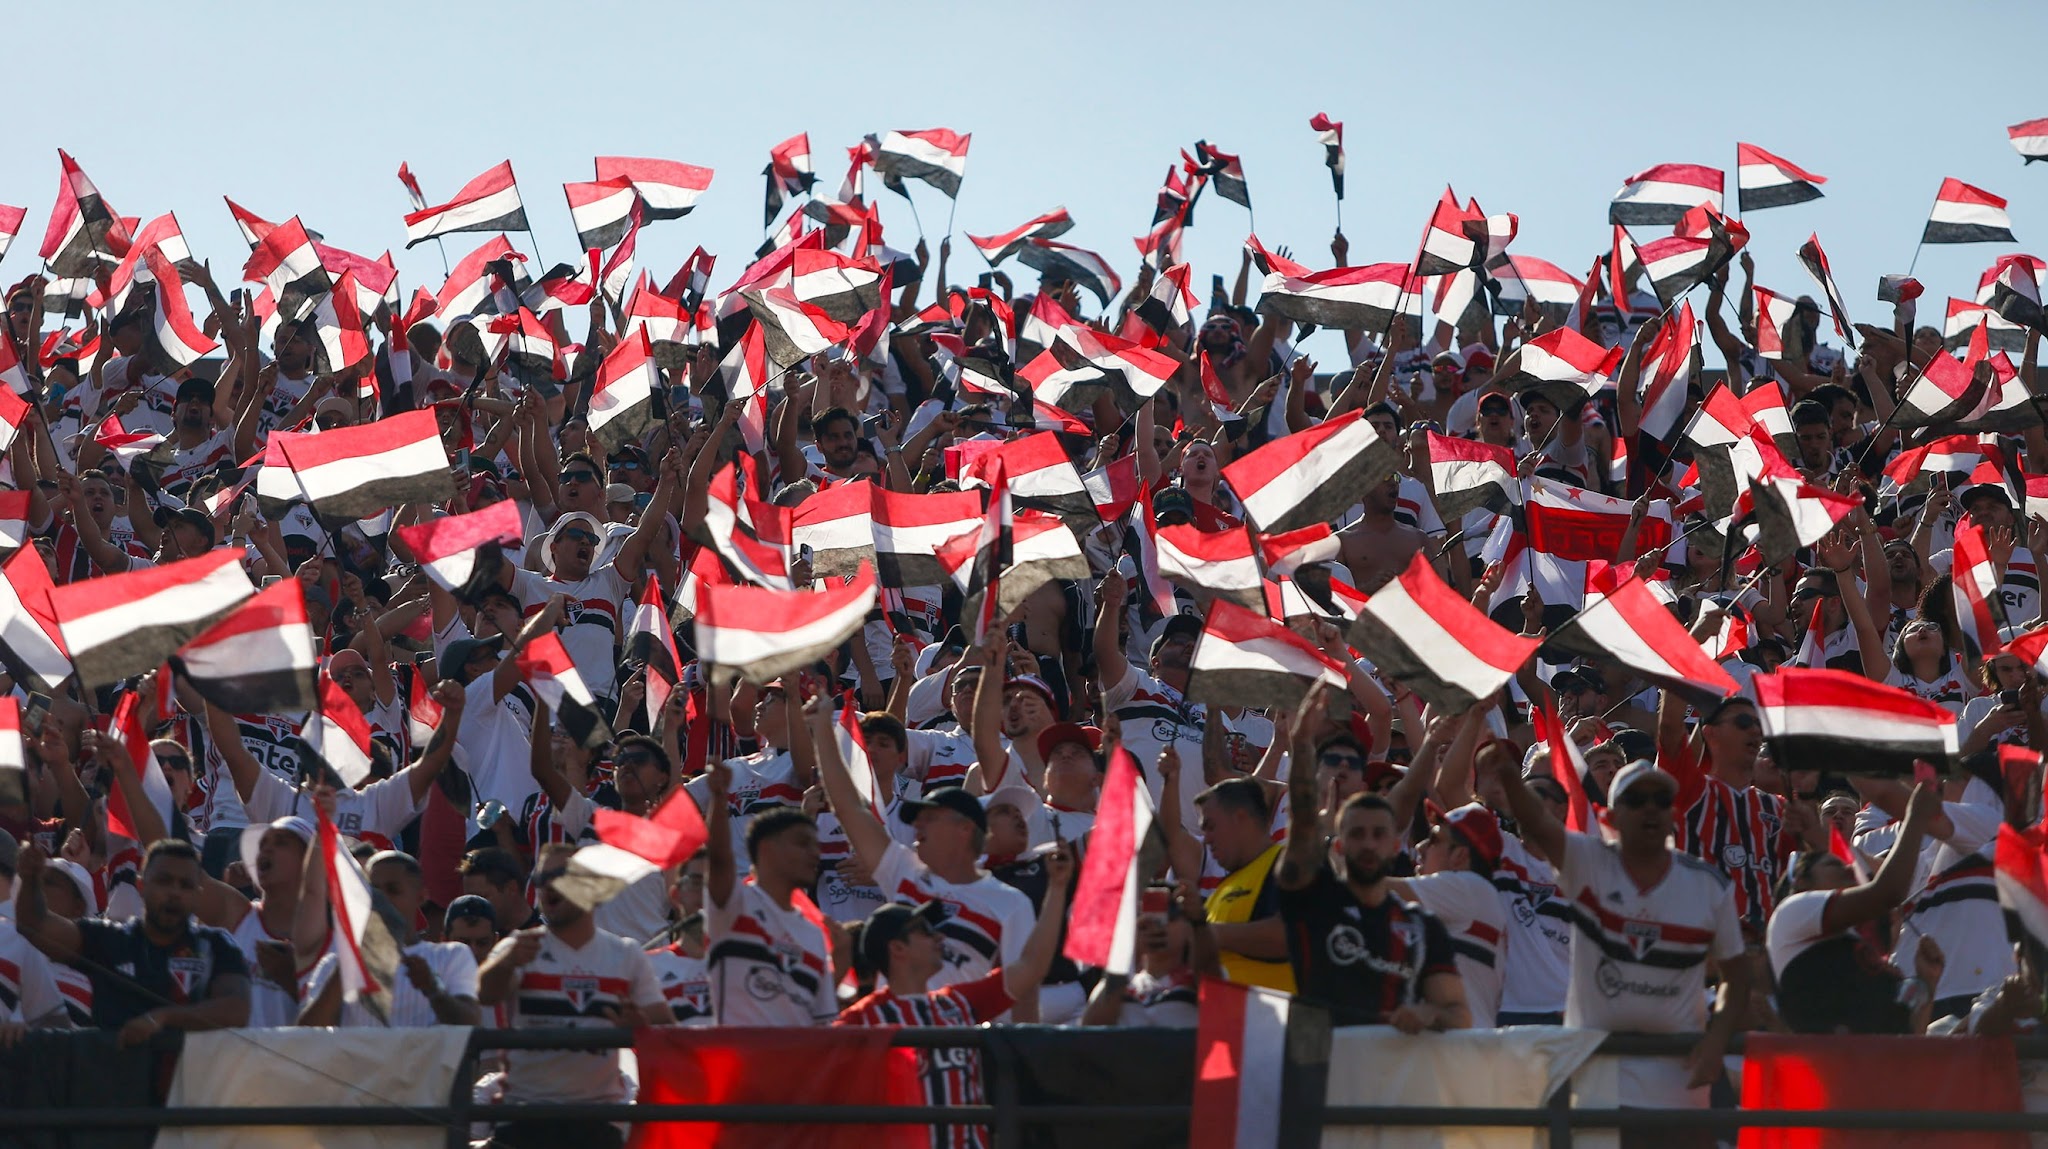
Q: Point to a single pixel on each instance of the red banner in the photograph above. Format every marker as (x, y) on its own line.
(775, 1067)
(1966, 1074)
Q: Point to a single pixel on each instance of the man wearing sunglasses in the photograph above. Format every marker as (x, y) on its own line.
(1723, 818)
(1647, 921)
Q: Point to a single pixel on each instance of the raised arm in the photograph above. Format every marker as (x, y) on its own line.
(864, 832)
(1021, 979)
(1302, 857)
(1539, 827)
(1110, 664)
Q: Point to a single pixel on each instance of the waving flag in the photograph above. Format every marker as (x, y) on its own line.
(1567, 765)
(1078, 264)
(1424, 635)
(339, 733)
(545, 666)
(1626, 622)
(1039, 473)
(909, 528)
(1330, 133)
(10, 225)
(997, 248)
(259, 659)
(1466, 474)
(252, 226)
(1945, 389)
(355, 472)
(125, 726)
(1245, 658)
(1225, 171)
(792, 329)
(287, 263)
(159, 235)
(1792, 515)
(1763, 180)
(1964, 214)
(1667, 365)
(1774, 313)
(1366, 298)
(937, 156)
(338, 339)
(651, 642)
(447, 548)
(365, 952)
(1311, 476)
(123, 625)
(29, 634)
(1658, 196)
(490, 202)
(667, 189)
(1974, 586)
(85, 231)
(1102, 927)
(1816, 263)
(844, 289)
(1963, 318)
(2013, 291)
(1220, 562)
(630, 849)
(788, 173)
(1818, 719)
(622, 399)
(174, 341)
(2030, 140)
(601, 210)
(1171, 304)
(467, 289)
(761, 634)
(1446, 246)
(1522, 278)
(1564, 367)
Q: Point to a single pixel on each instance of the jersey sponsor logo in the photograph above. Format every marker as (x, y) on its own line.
(1612, 983)
(1734, 856)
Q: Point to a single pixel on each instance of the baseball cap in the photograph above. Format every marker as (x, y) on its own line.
(1495, 399)
(1181, 627)
(1477, 827)
(1640, 772)
(890, 922)
(345, 657)
(1060, 732)
(945, 798)
(619, 493)
(1172, 500)
(1576, 677)
(470, 906)
(458, 653)
(334, 405)
(80, 879)
(197, 519)
(1035, 683)
(195, 388)
(1633, 743)
(252, 836)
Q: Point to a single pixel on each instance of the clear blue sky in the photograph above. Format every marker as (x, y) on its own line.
(1541, 110)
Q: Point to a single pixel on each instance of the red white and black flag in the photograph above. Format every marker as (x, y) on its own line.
(602, 211)
(1627, 623)
(260, 659)
(622, 399)
(1659, 196)
(355, 472)
(1221, 563)
(366, 954)
(909, 529)
(1974, 588)
(792, 329)
(1466, 474)
(1447, 246)
(1792, 515)
(1171, 304)
(668, 189)
(10, 225)
(1102, 927)
(1366, 298)
(1040, 474)
(1245, 658)
(1521, 279)
(175, 341)
(761, 634)
(1263, 1061)
(1816, 263)
(1945, 389)
(938, 156)
(338, 732)
(546, 667)
(29, 635)
(997, 248)
(287, 263)
(974, 561)
(1819, 719)
(2030, 140)
(1225, 171)
(1330, 133)
(1078, 264)
(1666, 366)
(123, 625)
(1965, 214)
(1774, 314)
(85, 231)
(490, 202)
(788, 173)
(1564, 367)
(1426, 636)
(449, 550)
(630, 849)
(1567, 765)
(1763, 180)
(1311, 476)
(338, 339)
(161, 234)
(2014, 291)
(651, 642)
(838, 525)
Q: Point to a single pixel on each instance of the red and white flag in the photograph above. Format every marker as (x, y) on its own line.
(123, 625)
(622, 398)
(2030, 140)
(1774, 313)
(1311, 476)
(10, 225)
(1658, 196)
(1629, 624)
(2020, 869)
(355, 472)
(789, 173)
(908, 531)
(1667, 365)
(1218, 562)
(545, 666)
(85, 231)
(446, 548)
(1763, 180)
(1102, 926)
(160, 234)
(252, 226)
(126, 446)
(339, 341)
(1818, 719)
(28, 628)
(1466, 474)
(1425, 635)
(668, 189)
(286, 262)
(338, 732)
(1446, 245)
(1259, 1082)
(631, 849)
(1792, 514)
(1564, 367)
(1289, 551)
(490, 202)
(1567, 765)
(125, 726)
(357, 936)
(1366, 298)
(997, 248)
(1078, 264)
(1246, 658)
(12, 372)
(651, 642)
(174, 341)
(1816, 263)
(468, 287)
(1974, 586)
(938, 156)
(259, 659)
(761, 634)
(1965, 214)
(744, 371)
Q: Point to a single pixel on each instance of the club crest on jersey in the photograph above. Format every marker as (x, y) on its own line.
(581, 991)
(1642, 937)
(185, 974)
(788, 956)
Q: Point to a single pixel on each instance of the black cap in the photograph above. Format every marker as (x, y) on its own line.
(195, 388)
(459, 652)
(1578, 676)
(945, 798)
(470, 906)
(891, 922)
(1186, 627)
(1633, 743)
(1496, 399)
(198, 519)
(1172, 500)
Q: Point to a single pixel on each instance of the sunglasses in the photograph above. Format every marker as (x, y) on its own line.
(578, 534)
(578, 477)
(633, 761)
(625, 465)
(1341, 762)
(1637, 799)
(1741, 722)
(174, 762)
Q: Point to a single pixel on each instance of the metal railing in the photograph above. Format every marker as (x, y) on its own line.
(1005, 1114)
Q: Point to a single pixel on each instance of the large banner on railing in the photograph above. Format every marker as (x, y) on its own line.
(783, 1067)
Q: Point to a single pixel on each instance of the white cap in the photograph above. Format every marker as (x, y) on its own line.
(1636, 773)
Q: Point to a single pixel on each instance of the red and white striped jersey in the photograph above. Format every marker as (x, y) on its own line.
(1639, 957)
(574, 988)
(1737, 832)
(950, 1076)
(685, 982)
(1471, 913)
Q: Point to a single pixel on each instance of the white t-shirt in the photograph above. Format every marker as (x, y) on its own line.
(686, 983)
(939, 757)
(494, 743)
(454, 966)
(590, 625)
(1154, 714)
(1795, 927)
(383, 809)
(28, 990)
(761, 781)
(1957, 904)
(986, 923)
(1681, 922)
(1539, 951)
(768, 965)
(270, 1005)
(1471, 913)
(567, 987)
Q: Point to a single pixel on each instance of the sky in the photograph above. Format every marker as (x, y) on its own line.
(1539, 110)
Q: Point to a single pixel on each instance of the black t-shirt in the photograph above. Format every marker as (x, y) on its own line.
(1841, 985)
(132, 975)
(1027, 876)
(1360, 962)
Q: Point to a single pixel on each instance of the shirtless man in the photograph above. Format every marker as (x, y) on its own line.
(1377, 548)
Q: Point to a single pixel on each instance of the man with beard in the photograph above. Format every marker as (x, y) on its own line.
(1378, 545)
(567, 973)
(160, 971)
(1724, 818)
(1369, 957)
